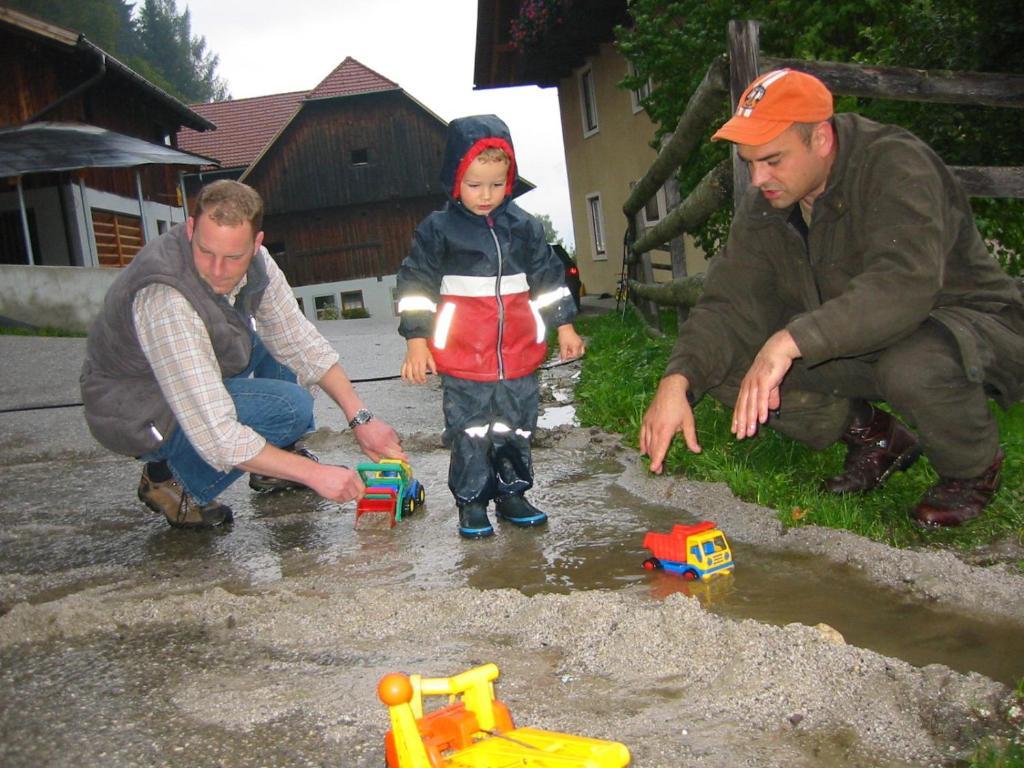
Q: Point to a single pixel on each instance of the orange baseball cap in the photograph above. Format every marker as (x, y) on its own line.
(772, 103)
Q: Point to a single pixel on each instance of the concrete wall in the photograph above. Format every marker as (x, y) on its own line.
(377, 295)
(62, 297)
(70, 297)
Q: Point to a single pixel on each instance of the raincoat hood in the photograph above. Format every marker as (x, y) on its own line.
(467, 138)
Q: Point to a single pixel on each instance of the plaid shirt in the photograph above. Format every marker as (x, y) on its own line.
(178, 348)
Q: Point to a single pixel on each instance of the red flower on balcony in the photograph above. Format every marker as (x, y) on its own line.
(536, 18)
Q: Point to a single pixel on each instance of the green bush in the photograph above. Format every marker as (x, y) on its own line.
(355, 313)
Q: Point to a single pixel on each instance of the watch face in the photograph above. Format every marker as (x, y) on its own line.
(362, 416)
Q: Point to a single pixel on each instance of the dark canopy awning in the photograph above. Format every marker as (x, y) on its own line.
(51, 147)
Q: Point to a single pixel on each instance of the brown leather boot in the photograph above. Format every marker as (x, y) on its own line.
(953, 501)
(181, 510)
(874, 451)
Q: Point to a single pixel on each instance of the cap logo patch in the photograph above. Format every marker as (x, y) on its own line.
(755, 95)
(758, 92)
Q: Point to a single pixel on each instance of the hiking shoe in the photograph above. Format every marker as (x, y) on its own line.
(952, 501)
(518, 511)
(267, 483)
(473, 521)
(874, 452)
(180, 509)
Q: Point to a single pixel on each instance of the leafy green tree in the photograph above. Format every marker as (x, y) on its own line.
(674, 42)
(550, 233)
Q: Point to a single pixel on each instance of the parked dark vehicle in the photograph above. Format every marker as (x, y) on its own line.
(572, 273)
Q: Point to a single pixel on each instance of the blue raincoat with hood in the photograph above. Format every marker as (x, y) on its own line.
(483, 290)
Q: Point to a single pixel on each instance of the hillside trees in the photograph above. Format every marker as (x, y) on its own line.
(157, 41)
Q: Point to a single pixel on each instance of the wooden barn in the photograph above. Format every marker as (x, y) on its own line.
(88, 168)
(346, 170)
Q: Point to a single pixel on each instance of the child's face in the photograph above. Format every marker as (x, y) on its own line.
(483, 186)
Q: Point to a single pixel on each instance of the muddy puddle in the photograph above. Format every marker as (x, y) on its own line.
(593, 542)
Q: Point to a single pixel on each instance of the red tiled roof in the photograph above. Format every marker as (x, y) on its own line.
(246, 126)
(349, 79)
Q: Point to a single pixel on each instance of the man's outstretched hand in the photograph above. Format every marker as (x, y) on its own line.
(759, 390)
(668, 415)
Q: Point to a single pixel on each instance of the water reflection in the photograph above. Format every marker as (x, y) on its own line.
(593, 541)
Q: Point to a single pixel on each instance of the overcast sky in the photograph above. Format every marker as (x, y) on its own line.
(275, 46)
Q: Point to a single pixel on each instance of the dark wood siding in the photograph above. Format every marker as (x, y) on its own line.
(38, 73)
(346, 243)
(310, 166)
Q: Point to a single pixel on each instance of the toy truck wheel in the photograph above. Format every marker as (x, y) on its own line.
(421, 495)
(407, 506)
(652, 564)
(690, 575)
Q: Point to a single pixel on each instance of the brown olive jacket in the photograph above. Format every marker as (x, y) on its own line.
(892, 242)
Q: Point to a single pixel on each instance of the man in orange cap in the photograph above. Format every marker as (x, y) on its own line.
(853, 273)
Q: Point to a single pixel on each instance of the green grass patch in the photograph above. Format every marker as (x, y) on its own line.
(621, 372)
(48, 330)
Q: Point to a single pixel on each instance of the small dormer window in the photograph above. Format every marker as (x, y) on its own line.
(360, 157)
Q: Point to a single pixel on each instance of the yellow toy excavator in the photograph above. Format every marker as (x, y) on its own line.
(475, 730)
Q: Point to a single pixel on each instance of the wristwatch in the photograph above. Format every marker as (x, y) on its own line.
(362, 416)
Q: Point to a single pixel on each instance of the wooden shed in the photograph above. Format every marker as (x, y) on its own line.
(346, 170)
(77, 213)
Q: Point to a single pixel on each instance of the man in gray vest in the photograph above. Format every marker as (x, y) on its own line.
(853, 273)
(195, 363)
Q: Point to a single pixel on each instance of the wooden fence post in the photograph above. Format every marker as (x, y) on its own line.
(677, 245)
(643, 272)
(744, 48)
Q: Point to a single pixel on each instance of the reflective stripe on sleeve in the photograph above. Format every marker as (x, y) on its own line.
(416, 304)
(549, 298)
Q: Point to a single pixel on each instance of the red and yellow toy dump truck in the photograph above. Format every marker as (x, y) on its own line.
(475, 730)
(694, 551)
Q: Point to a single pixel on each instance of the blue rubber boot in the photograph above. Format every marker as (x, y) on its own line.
(518, 511)
(473, 521)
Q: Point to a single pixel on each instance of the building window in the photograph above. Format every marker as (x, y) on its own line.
(588, 103)
(596, 226)
(352, 300)
(360, 156)
(302, 306)
(352, 305)
(118, 237)
(637, 97)
(326, 307)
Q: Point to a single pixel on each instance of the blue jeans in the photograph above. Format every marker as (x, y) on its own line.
(267, 399)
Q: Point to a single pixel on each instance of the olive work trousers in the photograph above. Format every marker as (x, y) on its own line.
(488, 425)
(921, 377)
